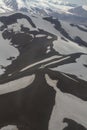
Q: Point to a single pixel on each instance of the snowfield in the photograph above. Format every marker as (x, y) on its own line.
(6, 51)
(9, 127)
(16, 85)
(74, 31)
(17, 26)
(66, 105)
(67, 47)
(78, 69)
(43, 73)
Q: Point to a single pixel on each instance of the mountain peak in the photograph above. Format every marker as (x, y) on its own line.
(80, 11)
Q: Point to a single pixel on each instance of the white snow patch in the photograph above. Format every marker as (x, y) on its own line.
(77, 69)
(49, 37)
(69, 77)
(9, 75)
(9, 127)
(67, 47)
(66, 106)
(45, 25)
(61, 46)
(40, 35)
(3, 7)
(82, 26)
(56, 6)
(20, 4)
(2, 10)
(1, 24)
(16, 84)
(6, 51)
(56, 61)
(74, 31)
(85, 7)
(17, 26)
(39, 62)
(48, 49)
(25, 23)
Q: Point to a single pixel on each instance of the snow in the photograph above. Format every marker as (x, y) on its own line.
(49, 37)
(66, 106)
(21, 4)
(9, 127)
(56, 61)
(39, 62)
(31, 5)
(83, 27)
(48, 49)
(69, 77)
(67, 47)
(77, 69)
(25, 23)
(17, 84)
(44, 25)
(41, 4)
(6, 51)
(1, 24)
(74, 31)
(17, 26)
(85, 7)
(53, 5)
(9, 75)
(40, 35)
(61, 46)
(4, 8)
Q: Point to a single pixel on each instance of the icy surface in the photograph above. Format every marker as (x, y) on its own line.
(66, 106)
(17, 84)
(39, 62)
(20, 22)
(67, 47)
(10, 127)
(6, 51)
(74, 31)
(40, 35)
(78, 69)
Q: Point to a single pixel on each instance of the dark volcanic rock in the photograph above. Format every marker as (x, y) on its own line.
(30, 107)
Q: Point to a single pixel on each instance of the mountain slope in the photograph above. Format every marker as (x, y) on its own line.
(79, 11)
(43, 82)
(29, 5)
(59, 9)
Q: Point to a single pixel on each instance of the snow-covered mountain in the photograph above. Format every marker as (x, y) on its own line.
(43, 67)
(8, 5)
(62, 10)
(79, 11)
